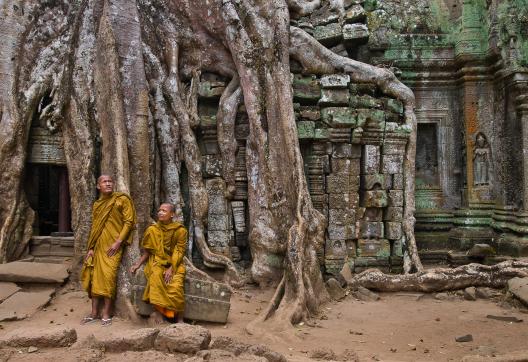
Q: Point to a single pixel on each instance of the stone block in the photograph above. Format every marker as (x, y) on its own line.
(365, 101)
(218, 222)
(339, 117)
(341, 184)
(393, 105)
(328, 34)
(206, 300)
(335, 81)
(393, 230)
(218, 238)
(321, 134)
(342, 216)
(374, 248)
(334, 97)
(355, 14)
(346, 150)
(182, 338)
(310, 113)
(373, 214)
(217, 204)
(375, 181)
(23, 304)
(7, 290)
(355, 33)
(395, 198)
(47, 337)
(306, 89)
(138, 340)
(343, 200)
(241, 131)
(392, 164)
(371, 230)
(211, 166)
(371, 159)
(370, 117)
(306, 129)
(393, 214)
(389, 148)
(357, 134)
(353, 183)
(334, 289)
(335, 249)
(375, 198)
(348, 166)
(210, 89)
(21, 272)
(398, 181)
(340, 232)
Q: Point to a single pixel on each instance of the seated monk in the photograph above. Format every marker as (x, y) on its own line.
(164, 245)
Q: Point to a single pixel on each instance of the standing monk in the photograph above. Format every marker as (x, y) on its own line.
(113, 219)
(164, 245)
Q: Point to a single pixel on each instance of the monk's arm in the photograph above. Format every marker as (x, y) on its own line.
(179, 249)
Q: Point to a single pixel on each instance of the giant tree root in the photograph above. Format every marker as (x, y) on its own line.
(442, 279)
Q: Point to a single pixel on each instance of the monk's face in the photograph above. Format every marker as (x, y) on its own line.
(165, 213)
(105, 185)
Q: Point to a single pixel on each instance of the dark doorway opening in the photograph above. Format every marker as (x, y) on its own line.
(48, 194)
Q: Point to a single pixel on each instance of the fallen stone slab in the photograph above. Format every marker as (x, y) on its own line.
(366, 294)
(466, 338)
(519, 288)
(183, 338)
(218, 355)
(334, 289)
(239, 348)
(137, 340)
(504, 318)
(21, 272)
(7, 290)
(470, 293)
(39, 337)
(23, 304)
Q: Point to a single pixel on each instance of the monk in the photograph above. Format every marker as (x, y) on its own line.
(164, 245)
(113, 219)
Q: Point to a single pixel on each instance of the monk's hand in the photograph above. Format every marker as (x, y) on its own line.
(134, 268)
(112, 250)
(89, 254)
(167, 275)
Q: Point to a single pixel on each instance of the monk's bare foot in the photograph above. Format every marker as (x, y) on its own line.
(156, 319)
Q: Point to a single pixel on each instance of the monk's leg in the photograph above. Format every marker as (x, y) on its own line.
(180, 317)
(96, 301)
(107, 310)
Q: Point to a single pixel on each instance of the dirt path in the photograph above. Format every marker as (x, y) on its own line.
(398, 327)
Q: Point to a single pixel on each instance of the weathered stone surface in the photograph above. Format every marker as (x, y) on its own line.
(237, 348)
(306, 129)
(211, 166)
(519, 288)
(393, 214)
(328, 34)
(370, 229)
(355, 14)
(323, 353)
(465, 338)
(7, 289)
(23, 304)
(343, 201)
(373, 214)
(22, 272)
(373, 247)
(39, 337)
(393, 105)
(357, 33)
(206, 300)
(339, 117)
(397, 181)
(184, 338)
(210, 89)
(218, 355)
(470, 293)
(346, 273)
(306, 89)
(310, 113)
(364, 294)
(393, 230)
(371, 160)
(136, 340)
(341, 232)
(487, 293)
(377, 198)
(344, 150)
(392, 164)
(373, 182)
(335, 81)
(334, 97)
(481, 250)
(395, 198)
(365, 101)
(334, 289)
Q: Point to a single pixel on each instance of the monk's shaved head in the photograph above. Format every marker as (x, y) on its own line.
(171, 206)
(104, 175)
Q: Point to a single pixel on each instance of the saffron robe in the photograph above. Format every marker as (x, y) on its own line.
(113, 217)
(166, 244)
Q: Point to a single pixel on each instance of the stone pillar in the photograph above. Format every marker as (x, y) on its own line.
(522, 111)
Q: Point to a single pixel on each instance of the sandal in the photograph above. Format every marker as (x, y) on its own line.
(88, 319)
(106, 322)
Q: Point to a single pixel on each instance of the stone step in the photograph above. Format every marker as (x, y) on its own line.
(23, 304)
(22, 272)
(53, 247)
(7, 290)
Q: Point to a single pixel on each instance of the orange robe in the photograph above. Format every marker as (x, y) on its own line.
(166, 244)
(113, 217)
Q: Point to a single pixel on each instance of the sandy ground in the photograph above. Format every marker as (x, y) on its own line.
(398, 327)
